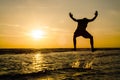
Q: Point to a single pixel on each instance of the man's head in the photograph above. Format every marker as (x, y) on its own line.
(84, 18)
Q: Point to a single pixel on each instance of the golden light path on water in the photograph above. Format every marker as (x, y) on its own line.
(37, 62)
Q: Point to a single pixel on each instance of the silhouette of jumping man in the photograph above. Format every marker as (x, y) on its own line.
(81, 29)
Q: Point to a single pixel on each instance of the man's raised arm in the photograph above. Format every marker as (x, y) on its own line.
(96, 14)
(71, 16)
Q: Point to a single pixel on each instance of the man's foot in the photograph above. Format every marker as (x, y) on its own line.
(93, 50)
(74, 49)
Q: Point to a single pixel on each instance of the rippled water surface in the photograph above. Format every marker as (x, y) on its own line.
(70, 65)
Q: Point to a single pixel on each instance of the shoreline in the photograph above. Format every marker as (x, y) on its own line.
(46, 50)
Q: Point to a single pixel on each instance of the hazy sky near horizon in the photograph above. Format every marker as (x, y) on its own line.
(19, 17)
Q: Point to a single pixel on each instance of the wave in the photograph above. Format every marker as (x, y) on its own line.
(12, 76)
(106, 54)
(69, 74)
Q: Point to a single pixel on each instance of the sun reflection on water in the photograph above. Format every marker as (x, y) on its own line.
(37, 62)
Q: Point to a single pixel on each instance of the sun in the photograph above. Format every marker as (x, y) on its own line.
(37, 34)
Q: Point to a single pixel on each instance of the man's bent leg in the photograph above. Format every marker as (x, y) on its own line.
(92, 43)
(74, 42)
(88, 35)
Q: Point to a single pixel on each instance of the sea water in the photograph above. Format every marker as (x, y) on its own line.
(30, 64)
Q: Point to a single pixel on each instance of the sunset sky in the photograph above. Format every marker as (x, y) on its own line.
(46, 23)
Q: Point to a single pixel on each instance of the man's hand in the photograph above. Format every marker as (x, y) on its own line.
(70, 14)
(96, 13)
